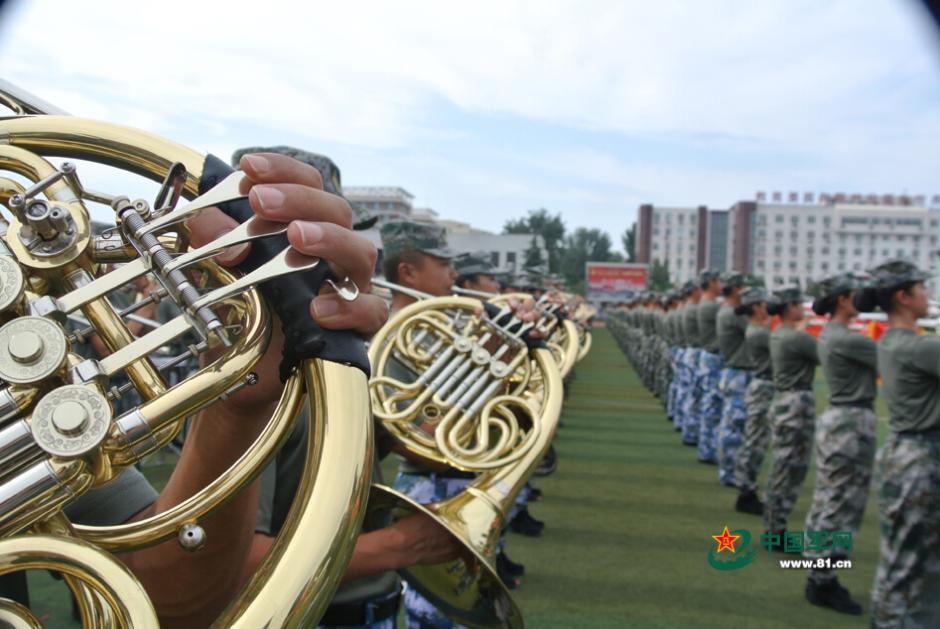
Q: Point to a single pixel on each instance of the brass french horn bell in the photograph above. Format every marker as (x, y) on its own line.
(58, 434)
(471, 382)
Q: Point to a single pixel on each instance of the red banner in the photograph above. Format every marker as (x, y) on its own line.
(609, 281)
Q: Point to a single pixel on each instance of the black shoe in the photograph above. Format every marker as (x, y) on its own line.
(748, 502)
(831, 594)
(549, 463)
(535, 494)
(507, 565)
(525, 524)
(508, 579)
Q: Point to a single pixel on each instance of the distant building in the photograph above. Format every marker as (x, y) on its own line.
(387, 202)
(790, 243)
(507, 251)
(674, 236)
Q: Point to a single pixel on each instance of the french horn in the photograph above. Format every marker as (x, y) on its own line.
(59, 436)
(455, 384)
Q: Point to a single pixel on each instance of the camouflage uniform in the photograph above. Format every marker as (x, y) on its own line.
(732, 341)
(794, 358)
(709, 405)
(710, 365)
(757, 399)
(733, 386)
(907, 583)
(689, 398)
(792, 432)
(845, 434)
(420, 613)
(845, 449)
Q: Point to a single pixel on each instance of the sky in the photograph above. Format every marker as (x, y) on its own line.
(486, 110)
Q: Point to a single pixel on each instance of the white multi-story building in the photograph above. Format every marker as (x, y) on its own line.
(507, 251)
(791, 243)
(801, 243)
(387, 202)
(673, 236)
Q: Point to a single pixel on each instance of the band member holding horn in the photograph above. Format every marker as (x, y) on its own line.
(845, 438)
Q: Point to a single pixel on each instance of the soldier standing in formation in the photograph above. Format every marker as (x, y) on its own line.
(793, 352)
(907, 584)
(689, 397)
(845, 438)
(735, 376)
(757, 400)
(710, 366)
(776, 371)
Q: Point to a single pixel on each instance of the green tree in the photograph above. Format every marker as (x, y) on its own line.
(583, 246)
(533, 255)
(659, 276)
(628, 238)
(550, 227)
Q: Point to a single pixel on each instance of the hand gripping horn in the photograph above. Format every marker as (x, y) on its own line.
(59, 436)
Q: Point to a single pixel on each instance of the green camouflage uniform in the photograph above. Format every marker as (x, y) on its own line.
(907, 583)
(845, 438)
(757, 398)
(794, 357)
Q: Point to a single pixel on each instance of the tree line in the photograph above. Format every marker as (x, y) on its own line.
(569, 251)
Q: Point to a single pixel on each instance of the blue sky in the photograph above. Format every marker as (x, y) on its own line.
(484, 111)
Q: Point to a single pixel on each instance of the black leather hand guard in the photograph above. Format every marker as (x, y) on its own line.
(290, 295)
(492, 311)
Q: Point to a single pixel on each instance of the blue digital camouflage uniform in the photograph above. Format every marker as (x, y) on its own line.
(688, 402)
(735, 377)
(709, 405)
(710, 366)
(733, 387)
(420, 613)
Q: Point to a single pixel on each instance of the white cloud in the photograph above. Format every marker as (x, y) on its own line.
(854, 89)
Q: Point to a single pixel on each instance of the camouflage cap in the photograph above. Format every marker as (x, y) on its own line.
(708, 275)
(789, 295)
(896, 273)
(329, 171)
(754, 296)
(401, 236)
(473, 262)
(735, 279)
(839, 284)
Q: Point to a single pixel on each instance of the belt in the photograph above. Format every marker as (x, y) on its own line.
(868, 406)
(930, 435)
(363, 612)
(797, 390)
(410, 468)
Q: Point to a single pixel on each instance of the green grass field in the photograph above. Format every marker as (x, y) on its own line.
(629, 518)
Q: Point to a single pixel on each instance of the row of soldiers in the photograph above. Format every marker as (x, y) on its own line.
(735, 368)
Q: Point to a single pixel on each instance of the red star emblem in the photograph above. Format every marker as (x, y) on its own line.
(725, 540)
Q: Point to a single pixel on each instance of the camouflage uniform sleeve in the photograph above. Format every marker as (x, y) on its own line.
(926, 356)
(860, 349)
(806, 345)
